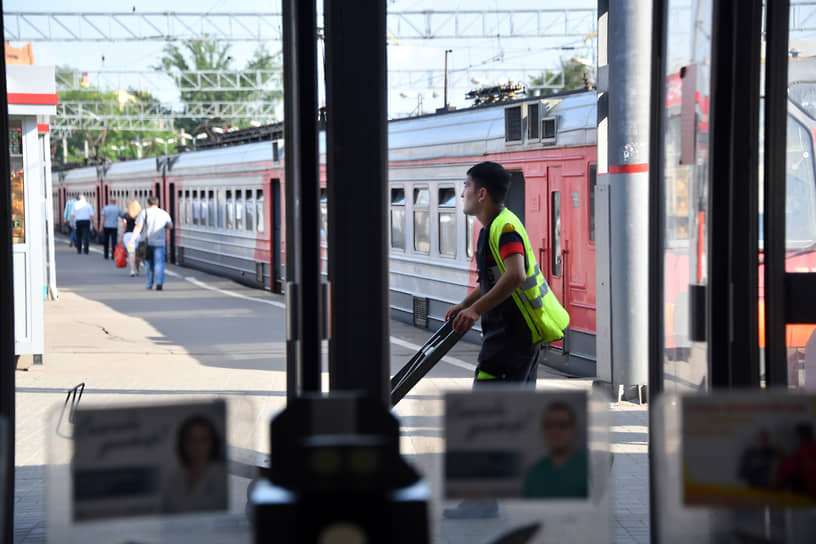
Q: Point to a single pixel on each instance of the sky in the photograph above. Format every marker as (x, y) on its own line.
(405, 96)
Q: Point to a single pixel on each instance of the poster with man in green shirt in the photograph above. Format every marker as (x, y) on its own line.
(516, 445)
(563, 472)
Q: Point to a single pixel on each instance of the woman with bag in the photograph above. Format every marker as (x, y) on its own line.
(133, 211)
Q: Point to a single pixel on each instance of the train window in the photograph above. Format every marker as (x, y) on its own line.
(203, 208)
(250, 211)
(259, 200)
(230, 211)
(447, 221)
(533, 133)
(555, 266)
(549, 129)
(593, 182)
(195, 208)
(239, 210)
(471, 225)
(221, 208)
(180, 207)
(422, 221)
(211, 205)
(398, 218)
(513, 124)
(188, 208)
(800, 207)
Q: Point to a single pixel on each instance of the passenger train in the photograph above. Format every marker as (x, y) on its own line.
(227, 206)
(227, 203)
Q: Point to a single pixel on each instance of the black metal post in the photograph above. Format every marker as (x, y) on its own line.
(776, 123)
(745, 196)
(732, 304)
(657, 230)
(356, 158)
(303, 352)
(8, 361)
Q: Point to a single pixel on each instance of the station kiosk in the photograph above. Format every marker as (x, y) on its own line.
(32, 103)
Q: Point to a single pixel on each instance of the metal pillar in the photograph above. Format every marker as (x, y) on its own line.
(776, 123)
(732, 302)
(303, 353)
(629, 59)
(657, 235)
(8, 361)
(356, 157)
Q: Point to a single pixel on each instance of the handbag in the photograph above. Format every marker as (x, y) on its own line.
(120, 256)
(142, 249)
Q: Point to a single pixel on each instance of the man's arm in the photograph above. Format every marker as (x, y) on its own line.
(471, 297)
(514, 275)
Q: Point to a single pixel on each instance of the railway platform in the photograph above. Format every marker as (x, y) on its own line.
(204, 336)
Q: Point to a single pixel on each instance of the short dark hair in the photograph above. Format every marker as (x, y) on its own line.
(215, 454)
(152, 201)
(493, 177)
(559, 406)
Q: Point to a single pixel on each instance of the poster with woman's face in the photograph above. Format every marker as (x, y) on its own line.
(149, 460)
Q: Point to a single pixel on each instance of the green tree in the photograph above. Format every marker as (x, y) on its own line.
(576, 75)
(109, 144)
(182, 61)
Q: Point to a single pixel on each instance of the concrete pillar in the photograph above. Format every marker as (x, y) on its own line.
(626, 153)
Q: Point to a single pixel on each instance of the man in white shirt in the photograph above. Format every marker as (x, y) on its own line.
(82, 214)
(153, 222)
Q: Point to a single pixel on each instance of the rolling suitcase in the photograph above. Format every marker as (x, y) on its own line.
(423, 361)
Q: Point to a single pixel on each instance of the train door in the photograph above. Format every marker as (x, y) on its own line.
(554, 269)
(96, 234)
(171, 209)
(515, 195)
(276, 280)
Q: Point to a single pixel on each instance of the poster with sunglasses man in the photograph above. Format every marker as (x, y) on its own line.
(562, 472)
(510, 444)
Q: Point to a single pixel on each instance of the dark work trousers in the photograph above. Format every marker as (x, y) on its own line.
(83, 234)
(525, 376)
(109, 235)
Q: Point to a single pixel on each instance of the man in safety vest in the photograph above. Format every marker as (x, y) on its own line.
(519, 312)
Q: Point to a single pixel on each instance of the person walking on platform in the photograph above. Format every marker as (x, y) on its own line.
(129, 220)
(81, 214)
(519, 313)
(153, 221)
(66, 215)
(110, 226)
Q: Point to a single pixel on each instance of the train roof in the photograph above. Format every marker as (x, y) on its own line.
(479, 130)
(244, 157)
(465, 132)
(81, 175)
(140, 168)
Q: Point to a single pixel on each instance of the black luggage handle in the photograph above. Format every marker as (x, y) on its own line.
(424, 360)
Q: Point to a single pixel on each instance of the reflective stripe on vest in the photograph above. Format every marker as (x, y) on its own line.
(544, 315)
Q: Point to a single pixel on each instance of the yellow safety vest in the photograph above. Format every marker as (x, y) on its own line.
(542, 312)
